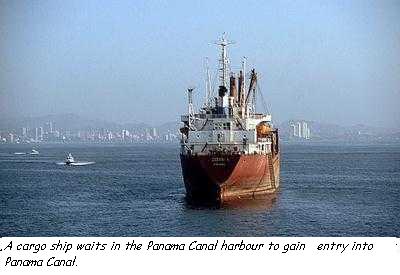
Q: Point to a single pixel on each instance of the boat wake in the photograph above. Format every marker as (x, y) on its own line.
(33, 152)
(76, 163)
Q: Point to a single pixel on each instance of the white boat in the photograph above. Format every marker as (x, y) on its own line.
(70, 159)
(34, 152)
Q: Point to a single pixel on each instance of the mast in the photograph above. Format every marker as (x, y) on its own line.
(240, 89)
(223, 72)
(244, 74)
(243, 87)
(250, 108)
(223, 62)
(253, 102)
(207, 102)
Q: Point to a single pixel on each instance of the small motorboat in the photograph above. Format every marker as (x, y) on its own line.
(70, 159)
(34, 152)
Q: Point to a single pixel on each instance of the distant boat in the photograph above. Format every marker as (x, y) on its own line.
(34, 152)
(19, 153)
(70, 159)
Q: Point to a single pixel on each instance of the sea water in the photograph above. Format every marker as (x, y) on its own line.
(137, 190)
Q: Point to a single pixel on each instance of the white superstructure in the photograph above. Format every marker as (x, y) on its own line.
(231, 124)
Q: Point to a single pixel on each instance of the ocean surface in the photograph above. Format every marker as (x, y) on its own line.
(137, 190)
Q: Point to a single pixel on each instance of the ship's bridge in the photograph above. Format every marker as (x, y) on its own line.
(211, 132)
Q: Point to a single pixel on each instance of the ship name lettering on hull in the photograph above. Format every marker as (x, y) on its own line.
(218, 161)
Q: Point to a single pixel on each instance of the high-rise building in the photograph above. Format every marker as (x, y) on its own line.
(154, 132)
(49, 127)
(299, 129)
(304, 129)
(41, 132)
(125, 135)
(148, 136)
(294, 130)
(109, 136)
(56, 133)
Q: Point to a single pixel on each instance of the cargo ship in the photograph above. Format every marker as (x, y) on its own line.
(229, 151)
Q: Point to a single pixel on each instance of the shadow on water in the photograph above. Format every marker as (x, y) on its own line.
(265, 202)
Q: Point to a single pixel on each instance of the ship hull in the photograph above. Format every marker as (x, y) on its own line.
(222, 178)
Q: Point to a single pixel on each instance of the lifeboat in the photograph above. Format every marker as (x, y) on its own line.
(263, 129)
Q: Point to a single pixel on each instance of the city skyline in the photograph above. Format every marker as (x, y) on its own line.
(73, 128)
(48, 132)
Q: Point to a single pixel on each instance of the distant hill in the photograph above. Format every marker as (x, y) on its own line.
(170, 127)
(75, 122)
(64, 121)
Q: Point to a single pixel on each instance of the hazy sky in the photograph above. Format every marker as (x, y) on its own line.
(131, 61)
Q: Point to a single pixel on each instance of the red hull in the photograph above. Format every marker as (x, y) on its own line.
(221, 178)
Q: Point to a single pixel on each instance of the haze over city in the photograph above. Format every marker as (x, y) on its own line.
(131, 61)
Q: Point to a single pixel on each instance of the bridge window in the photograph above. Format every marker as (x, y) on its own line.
(217, 126)
(227, 126)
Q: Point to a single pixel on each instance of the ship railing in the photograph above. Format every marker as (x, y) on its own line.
(204, 116)
(263, 139)
(259, 116)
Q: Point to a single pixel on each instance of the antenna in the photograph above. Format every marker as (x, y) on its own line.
(223, 62)
(207, 103)
(244, 60)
